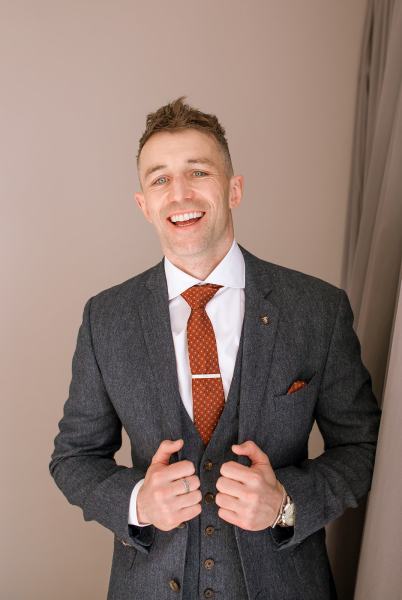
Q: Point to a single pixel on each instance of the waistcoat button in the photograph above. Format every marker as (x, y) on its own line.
(209, 498)
(208, 464)
(209, 563)
(208, 593)
(209, 530)
(174, 585)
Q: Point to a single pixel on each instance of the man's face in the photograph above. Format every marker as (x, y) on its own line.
(181, 173)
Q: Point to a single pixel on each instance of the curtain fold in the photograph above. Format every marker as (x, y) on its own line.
(371, 276)
(373, 237)
(380, 573)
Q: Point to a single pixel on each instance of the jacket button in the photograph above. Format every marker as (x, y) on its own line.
(209, 563)
(209, 498)
(208, 464)
(209, 530)
(208, 593)
(174, 585)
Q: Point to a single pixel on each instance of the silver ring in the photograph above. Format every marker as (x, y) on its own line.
(186, 485)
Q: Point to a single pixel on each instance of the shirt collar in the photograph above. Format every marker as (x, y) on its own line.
(230, 272)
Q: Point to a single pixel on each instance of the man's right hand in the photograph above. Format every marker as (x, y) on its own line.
(162, 499)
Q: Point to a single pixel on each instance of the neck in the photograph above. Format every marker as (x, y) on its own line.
(201, 266)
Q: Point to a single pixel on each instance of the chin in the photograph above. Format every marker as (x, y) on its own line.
(189, 248)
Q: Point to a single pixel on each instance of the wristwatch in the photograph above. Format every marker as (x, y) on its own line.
(287, 515)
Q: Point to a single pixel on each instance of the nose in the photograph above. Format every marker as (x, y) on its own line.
(180, 189)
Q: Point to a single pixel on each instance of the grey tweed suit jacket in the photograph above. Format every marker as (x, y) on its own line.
(124, 374)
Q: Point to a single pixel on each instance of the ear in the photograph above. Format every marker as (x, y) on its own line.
(235, 190)
(139, 197)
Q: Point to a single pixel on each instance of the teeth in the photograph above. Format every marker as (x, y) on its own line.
(185, 216)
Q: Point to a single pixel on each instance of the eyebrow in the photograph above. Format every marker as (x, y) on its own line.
(190, 161)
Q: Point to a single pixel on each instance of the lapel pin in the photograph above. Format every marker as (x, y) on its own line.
(265, 320)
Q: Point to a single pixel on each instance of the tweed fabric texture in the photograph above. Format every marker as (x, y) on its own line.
(208, 394)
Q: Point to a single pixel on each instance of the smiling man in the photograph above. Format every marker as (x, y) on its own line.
(188, 192)
(216, 363)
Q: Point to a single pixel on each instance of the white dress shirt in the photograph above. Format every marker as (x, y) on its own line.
(226, 311)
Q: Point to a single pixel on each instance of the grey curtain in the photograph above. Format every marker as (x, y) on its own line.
(371, 274)
(374, 229)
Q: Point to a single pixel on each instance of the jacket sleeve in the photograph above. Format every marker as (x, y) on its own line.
(348, 417)
(82, 463)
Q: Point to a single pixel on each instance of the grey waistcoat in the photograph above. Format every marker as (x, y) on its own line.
(213, 567)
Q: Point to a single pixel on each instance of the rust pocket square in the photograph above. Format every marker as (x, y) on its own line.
(296, 385)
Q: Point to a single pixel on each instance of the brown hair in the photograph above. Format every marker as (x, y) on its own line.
(177, 116)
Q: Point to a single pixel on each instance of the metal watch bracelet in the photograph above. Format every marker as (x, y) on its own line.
(286, 514)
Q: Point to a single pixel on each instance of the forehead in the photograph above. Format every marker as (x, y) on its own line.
(169, 146)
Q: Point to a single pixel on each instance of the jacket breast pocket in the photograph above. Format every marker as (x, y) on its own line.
(292, 418)
(299, 399)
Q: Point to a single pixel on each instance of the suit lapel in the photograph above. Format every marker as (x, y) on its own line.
(261, 318)
(155, 319)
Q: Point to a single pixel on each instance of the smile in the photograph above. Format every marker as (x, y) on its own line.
(186, 219)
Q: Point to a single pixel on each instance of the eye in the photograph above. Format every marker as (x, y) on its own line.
(160, 180)
(199, 173)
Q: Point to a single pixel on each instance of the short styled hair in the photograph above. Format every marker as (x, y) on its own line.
(177, 116)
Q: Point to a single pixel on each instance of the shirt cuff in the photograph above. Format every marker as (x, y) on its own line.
(132, 511)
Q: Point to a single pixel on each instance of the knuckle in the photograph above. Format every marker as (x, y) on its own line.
(255, 478)
(156, 480)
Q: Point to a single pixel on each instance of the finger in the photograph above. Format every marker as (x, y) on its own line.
(250, 449)
(186, 500)
(227, 502)
(229, 516)
(179, 488)
(230, 487)
(178, 470)
(185, 514)
(165, 450)
(235, 471)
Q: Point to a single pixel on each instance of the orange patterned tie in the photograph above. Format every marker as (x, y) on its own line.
(208, 394)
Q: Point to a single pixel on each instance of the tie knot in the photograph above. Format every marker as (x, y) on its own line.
(199, 295)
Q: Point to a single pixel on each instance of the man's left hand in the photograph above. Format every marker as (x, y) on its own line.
(249, 497)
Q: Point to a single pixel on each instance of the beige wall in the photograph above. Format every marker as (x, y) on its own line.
(78, 78)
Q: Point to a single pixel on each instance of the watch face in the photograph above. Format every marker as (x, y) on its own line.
(288, 514)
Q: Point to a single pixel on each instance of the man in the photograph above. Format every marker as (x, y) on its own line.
(216, 363)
